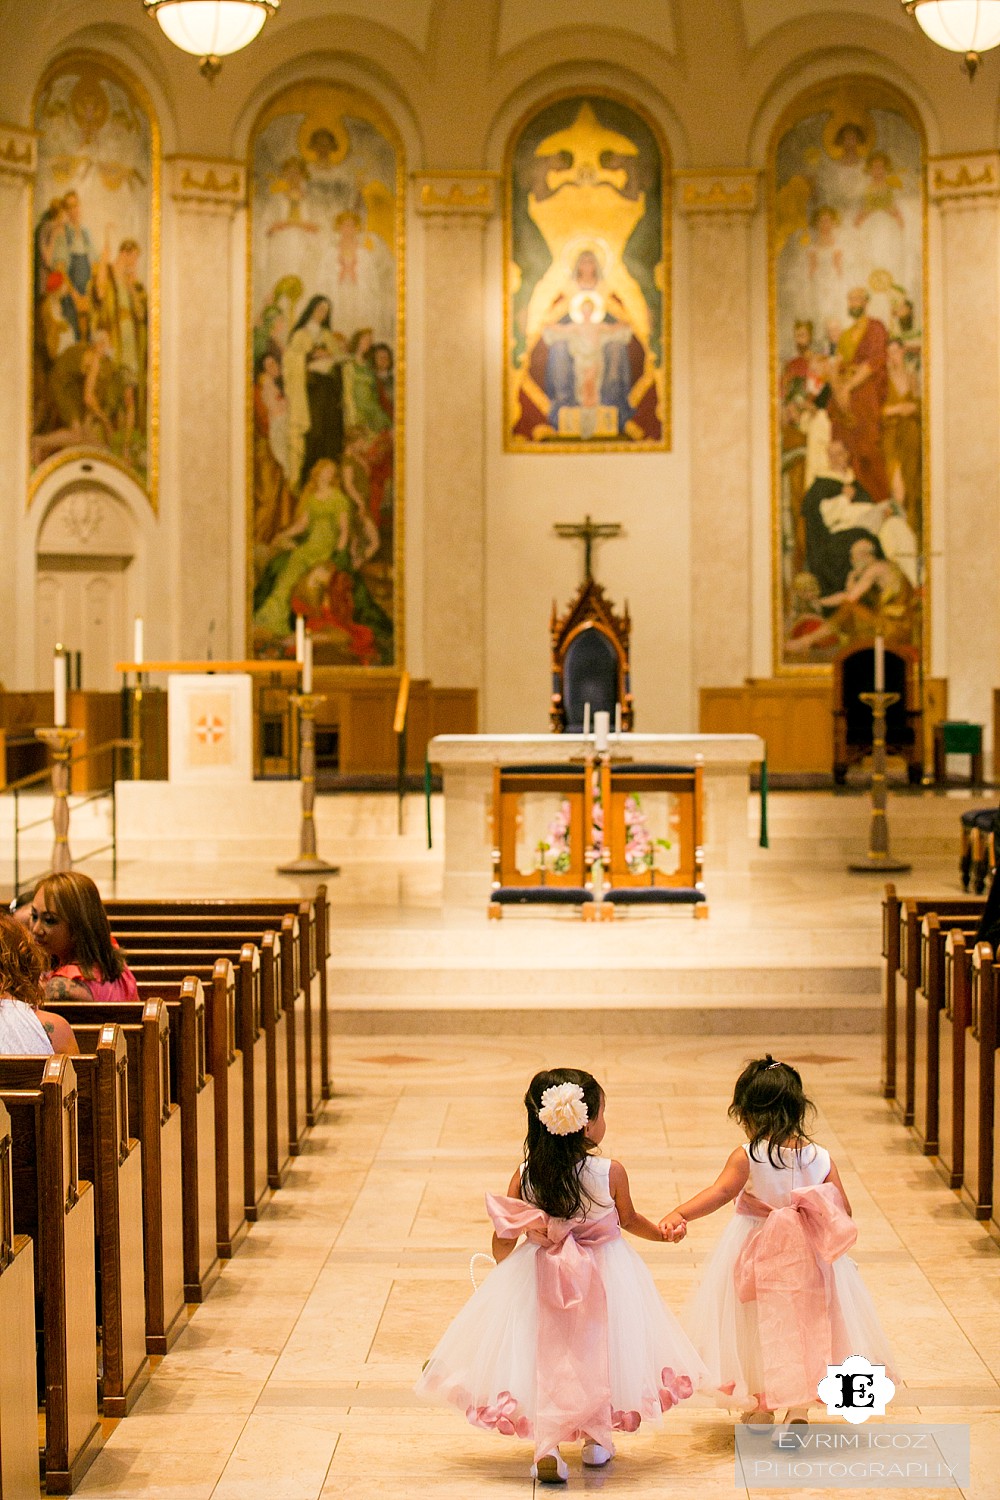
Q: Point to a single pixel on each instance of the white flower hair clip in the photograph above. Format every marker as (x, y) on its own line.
(563, 1110)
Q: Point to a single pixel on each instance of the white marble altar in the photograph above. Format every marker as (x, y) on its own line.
(467, 762)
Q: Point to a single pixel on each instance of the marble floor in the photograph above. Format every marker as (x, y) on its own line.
(293, 1380)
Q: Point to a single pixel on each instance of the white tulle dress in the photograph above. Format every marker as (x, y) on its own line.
(726, 1330)
(21, 1032)
(507, 1347)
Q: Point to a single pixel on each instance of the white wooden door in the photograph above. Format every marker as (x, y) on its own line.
(80, 603)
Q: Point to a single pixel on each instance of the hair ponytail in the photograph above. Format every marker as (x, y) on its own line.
(771, 1105)
(552, 1162)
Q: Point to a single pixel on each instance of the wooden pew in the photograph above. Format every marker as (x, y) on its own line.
(953, 1020)
(194, 1087)
(155, 1118)
(56, 1208)
(980, 1047)
(18, 1386)
(287, 1089)
(194, 953)
(900, 1019)
(314, 924)
(928, 1006)
(226, 1060)
(111, 1158)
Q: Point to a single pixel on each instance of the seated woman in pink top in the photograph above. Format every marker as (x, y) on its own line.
(70, 923)
(26, 1031)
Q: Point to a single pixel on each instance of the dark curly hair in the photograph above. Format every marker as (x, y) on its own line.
(771, 1105)
(552, 1162)
(22, 963)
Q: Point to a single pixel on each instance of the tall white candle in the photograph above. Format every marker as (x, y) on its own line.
(880, 664)
(138, 642)
(307, 665)
(618, 718)
(300, 639)
(602, 726)
(586, 718)
(59, 686)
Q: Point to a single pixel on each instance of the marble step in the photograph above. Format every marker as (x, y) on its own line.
(414, 1016)
(401, 983)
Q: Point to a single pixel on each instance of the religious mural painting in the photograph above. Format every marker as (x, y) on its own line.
(95, 271)
(587, 279)
(326, 261)
(847, 216)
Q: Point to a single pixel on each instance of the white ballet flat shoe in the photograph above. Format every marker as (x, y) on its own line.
(789, 1433)
(595, 1455)
(551, 1468)
(758, 1420)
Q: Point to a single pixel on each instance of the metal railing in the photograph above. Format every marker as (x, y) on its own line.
(38, 778)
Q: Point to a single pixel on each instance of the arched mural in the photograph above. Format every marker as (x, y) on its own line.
(327, 179)
(95, 271)
(587, 279)
(847, 264)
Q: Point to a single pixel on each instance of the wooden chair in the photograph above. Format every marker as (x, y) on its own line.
(18, 1388)
(854, 674)
(977, 854)
(590, 661)
(542, 850)
(633, 855)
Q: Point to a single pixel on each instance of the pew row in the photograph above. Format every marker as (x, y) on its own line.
(155, 1119)
(928, 1009)
(980, 1066)
(314, 922)
(55, 1208)
(18, 1389)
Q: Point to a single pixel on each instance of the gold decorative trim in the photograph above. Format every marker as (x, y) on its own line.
(18, 151)
(665, 272)
(725, 192)
(129, 81)
(392, 133)
(218, 182)
(814, 98)
(456, 194)
(957, 178)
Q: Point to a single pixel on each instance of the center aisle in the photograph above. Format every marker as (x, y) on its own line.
(293, 1380)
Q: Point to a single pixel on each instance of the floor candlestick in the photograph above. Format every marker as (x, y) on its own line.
(309, 862)
(878, 856)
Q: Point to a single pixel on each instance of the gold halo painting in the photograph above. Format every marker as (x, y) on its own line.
(587, 273)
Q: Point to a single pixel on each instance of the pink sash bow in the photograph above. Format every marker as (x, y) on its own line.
(784, 1267)
(573, 1378)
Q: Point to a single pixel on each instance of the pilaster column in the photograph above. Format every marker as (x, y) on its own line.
(18, 158)
(207, 196)
(455, 208)
(966, 192)
(718, 207)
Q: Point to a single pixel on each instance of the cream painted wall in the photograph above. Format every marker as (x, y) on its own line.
(716, 74)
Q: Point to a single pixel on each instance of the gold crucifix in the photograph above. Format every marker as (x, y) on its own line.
(588, 532)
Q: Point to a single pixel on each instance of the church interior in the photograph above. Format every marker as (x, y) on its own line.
(502, 508)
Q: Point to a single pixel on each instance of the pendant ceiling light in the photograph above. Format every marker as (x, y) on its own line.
(211, 29)
(967, 26)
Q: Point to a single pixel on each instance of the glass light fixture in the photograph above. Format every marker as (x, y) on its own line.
(967, 26)
(211, 29)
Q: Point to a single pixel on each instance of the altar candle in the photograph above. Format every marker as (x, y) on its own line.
(307, 665)
(602, 724)
(300, 639)
(618, 718)
(880, 664)
(138, 643)
(59, 686)
(586, 718)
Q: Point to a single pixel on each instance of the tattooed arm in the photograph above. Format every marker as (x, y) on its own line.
(60, 988)
(59, 1032)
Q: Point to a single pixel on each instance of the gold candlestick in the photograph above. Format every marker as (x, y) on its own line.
(878, 856)
(60, 741)
(309, 862)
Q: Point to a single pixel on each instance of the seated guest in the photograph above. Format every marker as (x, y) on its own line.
(20, 906)
(69, 921)
(26, 1031)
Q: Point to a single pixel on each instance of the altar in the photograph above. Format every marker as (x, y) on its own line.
(467, 762)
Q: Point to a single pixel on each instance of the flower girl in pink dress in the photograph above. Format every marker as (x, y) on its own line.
(568, 1338)
(779, 1300)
